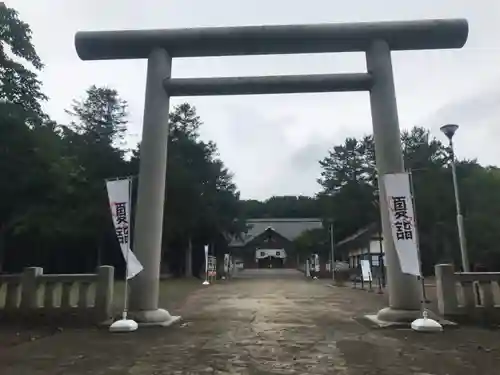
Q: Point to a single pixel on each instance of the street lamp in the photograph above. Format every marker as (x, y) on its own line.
(449, 130)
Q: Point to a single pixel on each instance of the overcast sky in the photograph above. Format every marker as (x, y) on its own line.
(272, 144)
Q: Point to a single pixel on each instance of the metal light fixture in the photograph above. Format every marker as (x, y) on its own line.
(449, 130)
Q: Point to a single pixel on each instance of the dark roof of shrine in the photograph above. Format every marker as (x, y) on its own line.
(288, 228)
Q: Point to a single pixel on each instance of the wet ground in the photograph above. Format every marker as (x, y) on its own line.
(258, 326)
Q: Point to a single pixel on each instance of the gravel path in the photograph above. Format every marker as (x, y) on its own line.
(263, 326)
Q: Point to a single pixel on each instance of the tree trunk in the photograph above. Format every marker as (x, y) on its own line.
(2, 248)
(189, 259)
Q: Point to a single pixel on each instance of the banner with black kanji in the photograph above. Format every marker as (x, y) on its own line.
(119, 202)
(402, 218)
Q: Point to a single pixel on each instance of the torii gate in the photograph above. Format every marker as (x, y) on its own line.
(377, 40)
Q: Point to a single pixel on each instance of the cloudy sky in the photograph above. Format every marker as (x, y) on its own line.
(273, 143)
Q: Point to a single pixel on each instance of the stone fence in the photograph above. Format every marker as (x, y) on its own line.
(32, 295)
(468, 296)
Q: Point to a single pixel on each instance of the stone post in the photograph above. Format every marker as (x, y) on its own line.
(151, 194)
(104, 292)
(404, 290)
(446, 292)
(29, 285)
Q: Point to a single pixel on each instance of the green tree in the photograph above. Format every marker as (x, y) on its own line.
(20, 91)
(54, 210)
(101, 116)
(349, 184)
(350, 195)
(481, 205)
(30, 163)
(35, 212)
(282, 207)
(350, 163)
(91, 140)
(313, 241)
(202, 202)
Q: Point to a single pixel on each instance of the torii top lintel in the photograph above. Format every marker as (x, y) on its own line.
(265, 40)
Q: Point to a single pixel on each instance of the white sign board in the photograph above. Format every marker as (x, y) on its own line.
(402, 218)
(366, 270)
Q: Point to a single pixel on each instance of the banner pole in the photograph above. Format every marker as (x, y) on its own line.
(422, 281)
(125, 297)
(125, 194)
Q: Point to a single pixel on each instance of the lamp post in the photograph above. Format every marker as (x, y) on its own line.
(449, 130)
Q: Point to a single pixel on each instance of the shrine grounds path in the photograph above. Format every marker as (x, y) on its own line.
(260, 326)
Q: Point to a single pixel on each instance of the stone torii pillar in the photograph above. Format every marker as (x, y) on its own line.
(377, 40)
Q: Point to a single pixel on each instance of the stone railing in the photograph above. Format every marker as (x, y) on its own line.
(468, 296)
(33, 295)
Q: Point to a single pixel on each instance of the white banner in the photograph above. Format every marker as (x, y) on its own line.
(119, 202)
(402, 218)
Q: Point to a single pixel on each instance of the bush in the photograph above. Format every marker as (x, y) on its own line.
(344, 275)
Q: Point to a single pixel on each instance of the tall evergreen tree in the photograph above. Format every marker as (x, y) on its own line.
(20, 91)
(350, 195)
